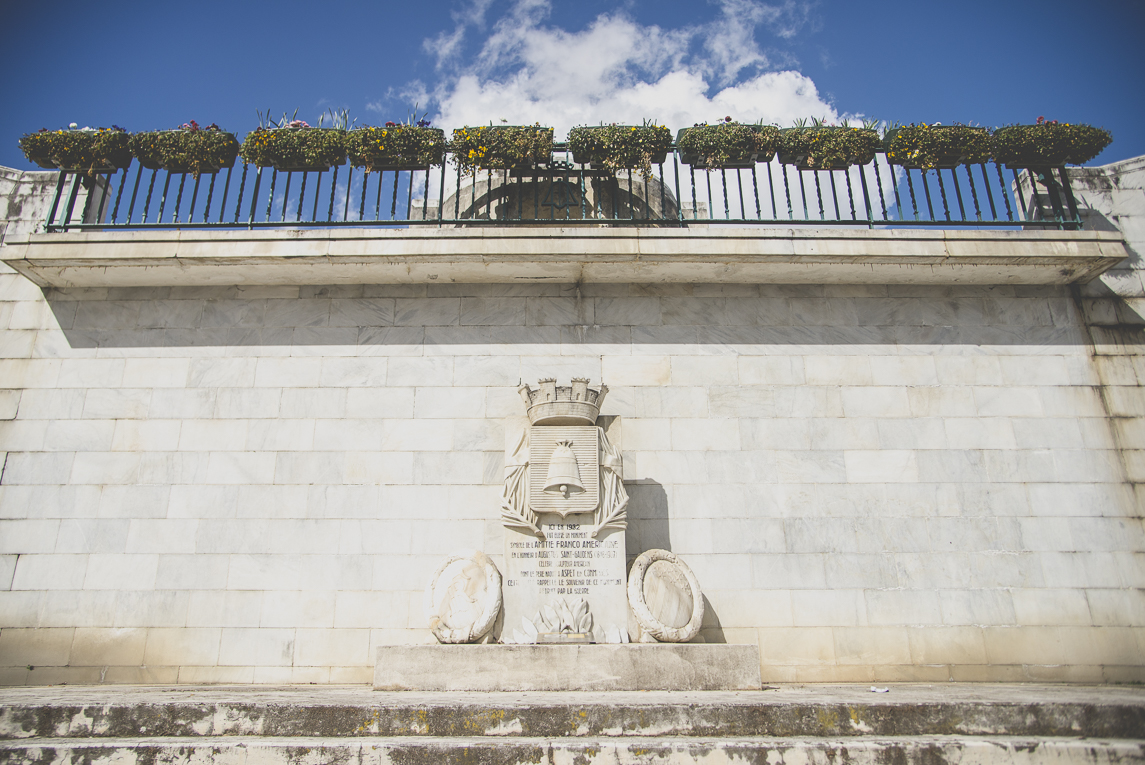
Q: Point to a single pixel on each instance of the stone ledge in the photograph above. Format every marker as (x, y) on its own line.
(264, 750)
(845, 711)
(629, 667)
(564, 255)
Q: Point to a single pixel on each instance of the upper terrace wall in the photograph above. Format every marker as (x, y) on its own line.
(872, 482)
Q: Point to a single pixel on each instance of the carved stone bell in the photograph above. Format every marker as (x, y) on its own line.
(564, 475)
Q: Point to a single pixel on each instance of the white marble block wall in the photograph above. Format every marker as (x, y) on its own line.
(252, 484)
(872, 483)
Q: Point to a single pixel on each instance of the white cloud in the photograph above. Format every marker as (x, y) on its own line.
(618, 70)
(446, 46)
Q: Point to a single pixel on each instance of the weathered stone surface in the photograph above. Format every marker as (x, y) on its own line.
(841, 711)
(474, 751)
(567, 667)
(955, 723)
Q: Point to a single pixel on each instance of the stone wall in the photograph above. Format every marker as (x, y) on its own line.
(26, 199)
(1114, 305)
(872, 483)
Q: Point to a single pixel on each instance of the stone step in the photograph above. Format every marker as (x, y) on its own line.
(829, 712)
(483, 750)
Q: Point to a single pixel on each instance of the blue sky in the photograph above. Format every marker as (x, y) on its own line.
(991, 62)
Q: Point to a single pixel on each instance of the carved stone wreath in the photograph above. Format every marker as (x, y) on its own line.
(460, 587)
(649, 623)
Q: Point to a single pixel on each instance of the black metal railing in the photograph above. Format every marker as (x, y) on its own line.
(875, 195)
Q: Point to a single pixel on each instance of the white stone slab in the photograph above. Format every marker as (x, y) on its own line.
(566, 565)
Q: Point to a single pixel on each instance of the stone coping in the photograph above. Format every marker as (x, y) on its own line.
(562, 255)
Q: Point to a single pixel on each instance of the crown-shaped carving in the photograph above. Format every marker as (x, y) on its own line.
(550, 404)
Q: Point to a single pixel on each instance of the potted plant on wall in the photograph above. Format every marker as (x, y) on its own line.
(187, 149)
(621, 147)
(827, 147)
(291, 145)
(500, 147)
(727, 144)
(1048, 143)
(937, 147)
(82, 150)
(396, 146)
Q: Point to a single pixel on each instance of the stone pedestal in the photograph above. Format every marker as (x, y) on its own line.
(632, 667)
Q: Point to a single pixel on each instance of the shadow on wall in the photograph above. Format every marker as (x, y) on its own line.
(648, 529)
(1109, 198)
(425, 316)
(647, 517)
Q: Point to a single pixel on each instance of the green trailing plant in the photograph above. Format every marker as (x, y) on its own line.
(396, 145)
(821, 147)
(188, 149)
(292, 144)
(932, 147)
(1048, 144)
(85, 150)
(727, 144)
(501, 147)
(621, 147)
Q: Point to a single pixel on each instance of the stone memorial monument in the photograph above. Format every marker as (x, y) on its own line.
(565, 615)
(564, 509)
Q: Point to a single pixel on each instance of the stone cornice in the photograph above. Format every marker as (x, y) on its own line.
(565, 255)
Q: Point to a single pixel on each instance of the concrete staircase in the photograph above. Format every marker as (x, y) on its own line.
(806, 724)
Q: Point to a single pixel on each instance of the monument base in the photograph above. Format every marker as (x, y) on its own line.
(601, 667)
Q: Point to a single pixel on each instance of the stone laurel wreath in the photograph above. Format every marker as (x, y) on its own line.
(613, 510)
(611, 514)
(464, 587)
(643, 615)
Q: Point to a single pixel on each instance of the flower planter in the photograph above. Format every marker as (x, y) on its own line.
(827, 148)
(196, 151)
(727, 145)
(295, 149)
(104, 150)
(403, 147)
(621, 147)
(937, 147)
(1048, 144)
(501, 147)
